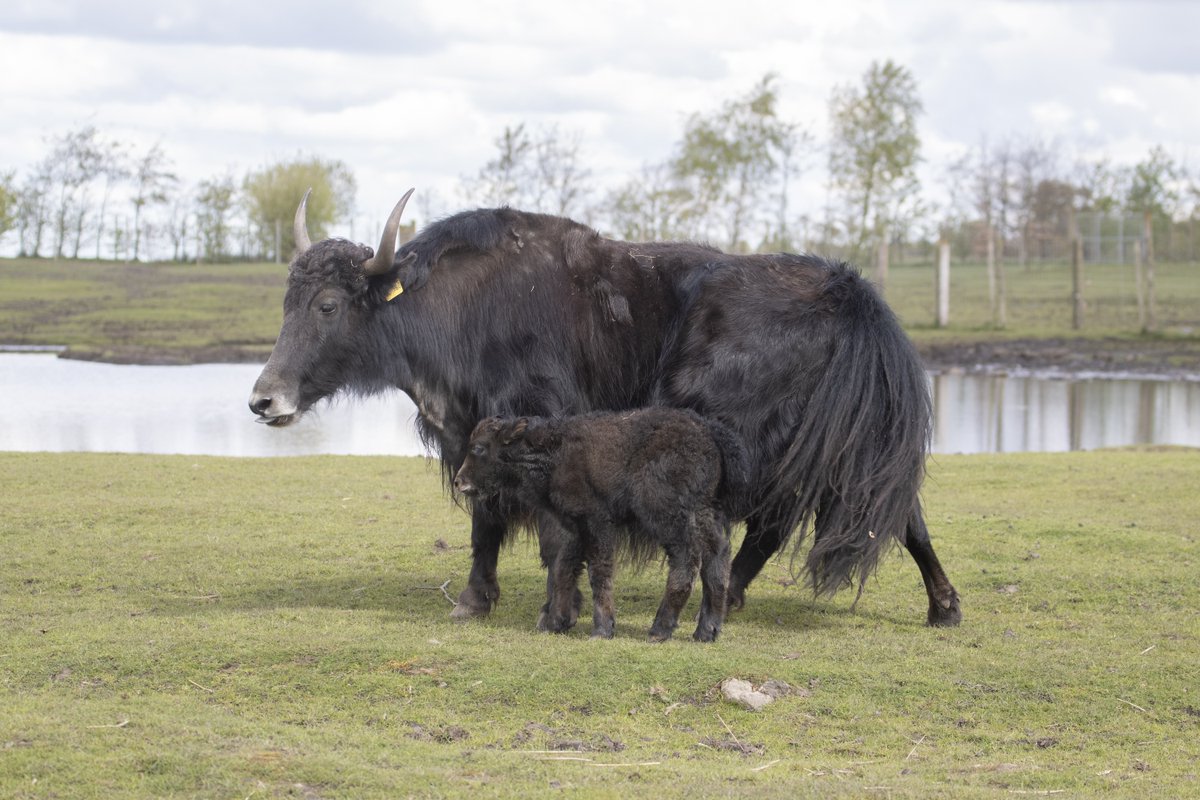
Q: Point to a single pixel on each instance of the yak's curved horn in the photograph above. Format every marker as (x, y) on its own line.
(381, 262)
(300, 225)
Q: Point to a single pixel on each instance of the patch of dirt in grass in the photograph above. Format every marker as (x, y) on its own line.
(732, 745)
(443, 734)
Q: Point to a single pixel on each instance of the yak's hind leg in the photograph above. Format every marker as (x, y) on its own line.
(765, 535)
(944, 610)
(714, 577)
(483, 588)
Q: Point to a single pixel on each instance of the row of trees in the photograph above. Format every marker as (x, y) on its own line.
(91, 197)
(728, 180)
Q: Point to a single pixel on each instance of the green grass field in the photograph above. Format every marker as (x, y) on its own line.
(200, 627)
(143, 312)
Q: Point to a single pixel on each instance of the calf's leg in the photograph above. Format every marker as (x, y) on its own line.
(714, 577)
(551, 535)
(600, 574)
(681, 573)
(562, 608)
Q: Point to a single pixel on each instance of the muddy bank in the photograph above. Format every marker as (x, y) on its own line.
(1177, 359)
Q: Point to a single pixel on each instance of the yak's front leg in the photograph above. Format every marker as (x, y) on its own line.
(483, 588)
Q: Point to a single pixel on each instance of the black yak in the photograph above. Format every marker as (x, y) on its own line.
(656, 476)
(501, 312)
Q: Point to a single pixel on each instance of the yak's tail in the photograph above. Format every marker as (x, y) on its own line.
(854, 466)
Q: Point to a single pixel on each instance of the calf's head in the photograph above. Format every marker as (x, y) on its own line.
(492, 451)
(333, 287)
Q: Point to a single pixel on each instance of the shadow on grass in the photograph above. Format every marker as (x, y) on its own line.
(428, 599)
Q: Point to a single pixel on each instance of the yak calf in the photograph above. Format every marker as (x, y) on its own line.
(662, 477)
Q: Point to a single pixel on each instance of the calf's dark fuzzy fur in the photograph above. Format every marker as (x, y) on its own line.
(635, 481)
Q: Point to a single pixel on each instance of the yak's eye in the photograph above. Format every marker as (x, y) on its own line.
(478, 450)
(328, 307)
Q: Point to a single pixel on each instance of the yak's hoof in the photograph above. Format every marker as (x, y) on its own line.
(602, 633)
(706, 633)
(576, 605)
(659, 635)
(471, 605)
(735, 598)
(554, 624)
(944, 617)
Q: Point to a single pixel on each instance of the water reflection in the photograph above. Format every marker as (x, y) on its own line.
(60, 405)
(1001, 414)
(55, 404)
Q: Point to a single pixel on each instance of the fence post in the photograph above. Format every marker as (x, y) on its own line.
(1148, 243)
(1076, 274)
(943, 284)
(1139, 284)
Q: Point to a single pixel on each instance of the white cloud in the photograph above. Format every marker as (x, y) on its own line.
(413, 93)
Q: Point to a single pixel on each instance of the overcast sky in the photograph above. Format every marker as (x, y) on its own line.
(411, 93)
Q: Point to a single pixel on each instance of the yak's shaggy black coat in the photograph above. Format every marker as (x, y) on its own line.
(508, 313)
(638, 480)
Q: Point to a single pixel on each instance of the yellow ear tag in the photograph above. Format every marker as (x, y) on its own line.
(395, 292)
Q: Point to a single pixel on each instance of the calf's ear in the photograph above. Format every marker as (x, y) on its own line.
(516, 431)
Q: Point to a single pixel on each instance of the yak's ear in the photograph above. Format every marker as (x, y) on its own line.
(412, 270)
(516, 430)
(399, 277)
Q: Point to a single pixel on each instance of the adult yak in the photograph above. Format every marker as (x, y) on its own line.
(498, 312)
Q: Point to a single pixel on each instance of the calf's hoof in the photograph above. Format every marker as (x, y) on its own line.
(735, 598)
(706, 633)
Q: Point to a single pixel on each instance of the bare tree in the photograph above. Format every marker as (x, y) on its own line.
(561, 179)
(112, 169)
(540, 171)
(1153, 191)
(215, 200)
(1035, 162)
(649, 207)
(503, 180)
(152, 182)
(75, 159)
(33, 210)
(180, 213)
(8, 202)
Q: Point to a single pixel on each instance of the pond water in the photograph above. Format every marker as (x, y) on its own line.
(52, 404)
